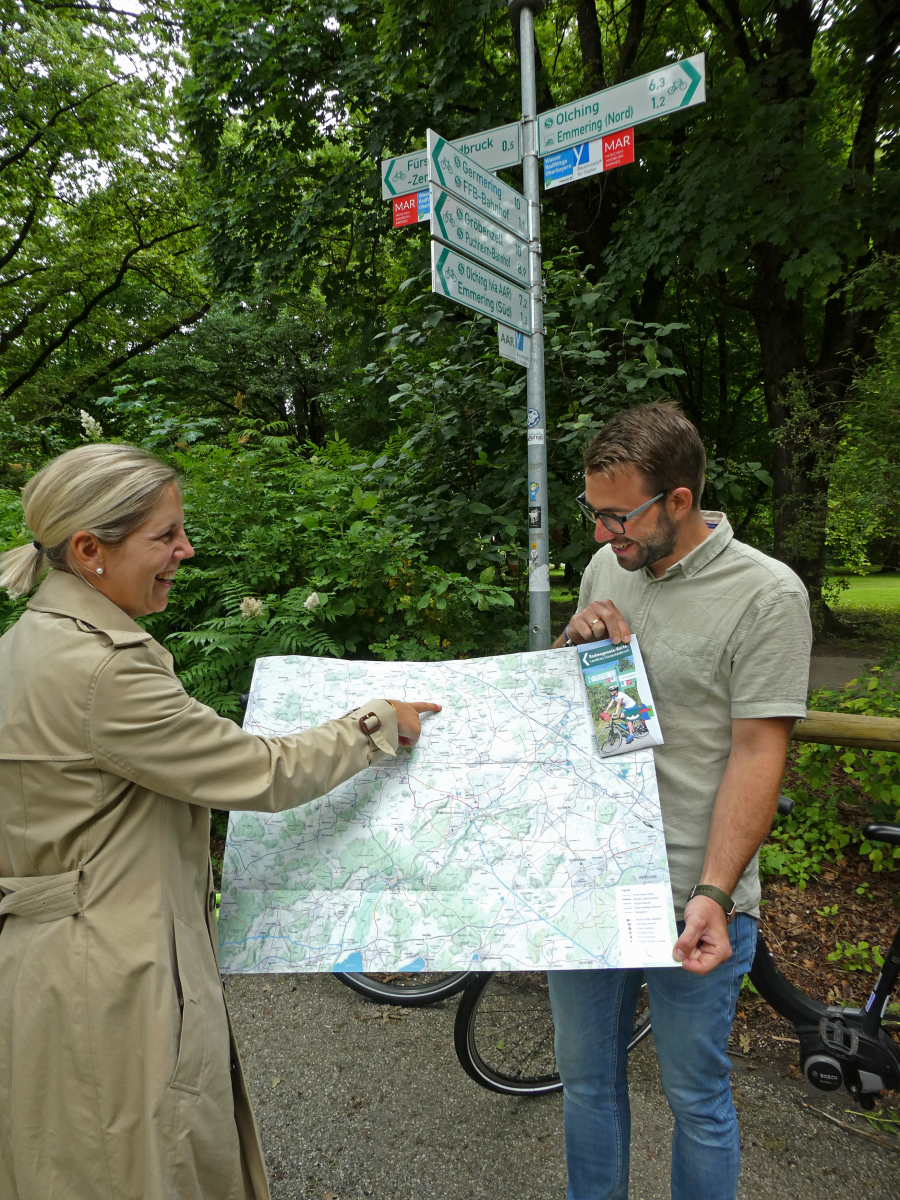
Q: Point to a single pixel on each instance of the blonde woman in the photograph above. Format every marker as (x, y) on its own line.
(119, 1076)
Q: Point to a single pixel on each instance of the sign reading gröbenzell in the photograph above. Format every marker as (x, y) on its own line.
(679, 85)
(493, 149)
(468, 283)
(480, 238)
(465, 179)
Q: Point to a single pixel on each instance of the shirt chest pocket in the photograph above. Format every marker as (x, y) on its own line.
(682, 667)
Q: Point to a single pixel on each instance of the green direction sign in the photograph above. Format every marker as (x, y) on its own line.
(468, 283)
(404, 174)
(676, 86)
(493, 149)
(465, 179)
(462, 228)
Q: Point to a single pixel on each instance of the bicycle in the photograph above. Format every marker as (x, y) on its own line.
(618, 729)
(504, 1028)
(405, 989)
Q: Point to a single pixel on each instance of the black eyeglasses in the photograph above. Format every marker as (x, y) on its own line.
(613, 523)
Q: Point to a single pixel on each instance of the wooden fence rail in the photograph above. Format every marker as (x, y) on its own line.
(848, 729)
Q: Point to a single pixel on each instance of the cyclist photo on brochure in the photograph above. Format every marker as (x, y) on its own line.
(622, 712)
(623, 706)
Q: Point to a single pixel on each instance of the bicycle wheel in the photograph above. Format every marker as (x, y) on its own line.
(407, 989)
(613, 739)
(504, 1033)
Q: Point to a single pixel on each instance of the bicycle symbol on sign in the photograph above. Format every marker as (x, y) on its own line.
(678, 86)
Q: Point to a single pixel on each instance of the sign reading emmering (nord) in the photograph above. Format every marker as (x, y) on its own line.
(480, 238)
(493, 149)
(468, 283)
(465, 179)
(679, 85)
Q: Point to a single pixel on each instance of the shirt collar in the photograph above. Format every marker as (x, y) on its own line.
(71, 596)
(710, 548)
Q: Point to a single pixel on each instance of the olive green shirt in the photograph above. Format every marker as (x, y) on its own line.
(724, 634)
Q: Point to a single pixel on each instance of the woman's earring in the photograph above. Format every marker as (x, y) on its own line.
(99, 570)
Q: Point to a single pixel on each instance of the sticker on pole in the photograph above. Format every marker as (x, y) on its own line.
(590, 158)
(514, 345)
(412, 208)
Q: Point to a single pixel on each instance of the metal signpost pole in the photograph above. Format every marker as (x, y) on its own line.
(538, 514)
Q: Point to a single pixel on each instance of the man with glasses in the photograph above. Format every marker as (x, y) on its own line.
(725, 635)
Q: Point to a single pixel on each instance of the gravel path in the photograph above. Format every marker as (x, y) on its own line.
(355, 1100)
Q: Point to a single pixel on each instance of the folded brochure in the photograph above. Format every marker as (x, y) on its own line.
(622, 711)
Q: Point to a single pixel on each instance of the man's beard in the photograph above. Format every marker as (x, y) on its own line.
(659, 545)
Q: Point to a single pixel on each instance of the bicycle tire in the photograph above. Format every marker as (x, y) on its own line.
(503, 1033)
(801, 1010)
(613, 740)
(405, 989)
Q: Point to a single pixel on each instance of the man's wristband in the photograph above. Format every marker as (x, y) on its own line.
(714, 893)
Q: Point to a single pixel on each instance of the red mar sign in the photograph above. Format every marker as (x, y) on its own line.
(618, 149)
(412, 208)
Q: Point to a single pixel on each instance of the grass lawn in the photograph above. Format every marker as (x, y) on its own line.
(881, 592)
(869, 605)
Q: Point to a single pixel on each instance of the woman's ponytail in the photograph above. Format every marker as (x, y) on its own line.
(21, 568)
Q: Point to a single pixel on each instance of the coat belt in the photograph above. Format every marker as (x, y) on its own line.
(41, 897)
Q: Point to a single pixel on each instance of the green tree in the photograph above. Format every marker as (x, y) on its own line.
(755, 216)
(98, 232)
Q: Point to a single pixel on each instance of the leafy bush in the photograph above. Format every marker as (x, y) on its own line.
(814, 834)
(800, 843)
(294, 557)
(870, 777)
(859, 957)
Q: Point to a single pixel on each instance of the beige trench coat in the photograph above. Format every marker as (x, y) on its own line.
(119, 1076)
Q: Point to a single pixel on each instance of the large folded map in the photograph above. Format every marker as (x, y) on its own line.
(500, 842)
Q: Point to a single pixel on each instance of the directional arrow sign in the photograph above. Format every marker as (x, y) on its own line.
(468, 283)
(405, 174)
(464, 229)
(679, 85)
(463, 178)
(494, 149)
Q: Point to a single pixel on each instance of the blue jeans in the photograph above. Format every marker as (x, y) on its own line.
(692, 1016)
